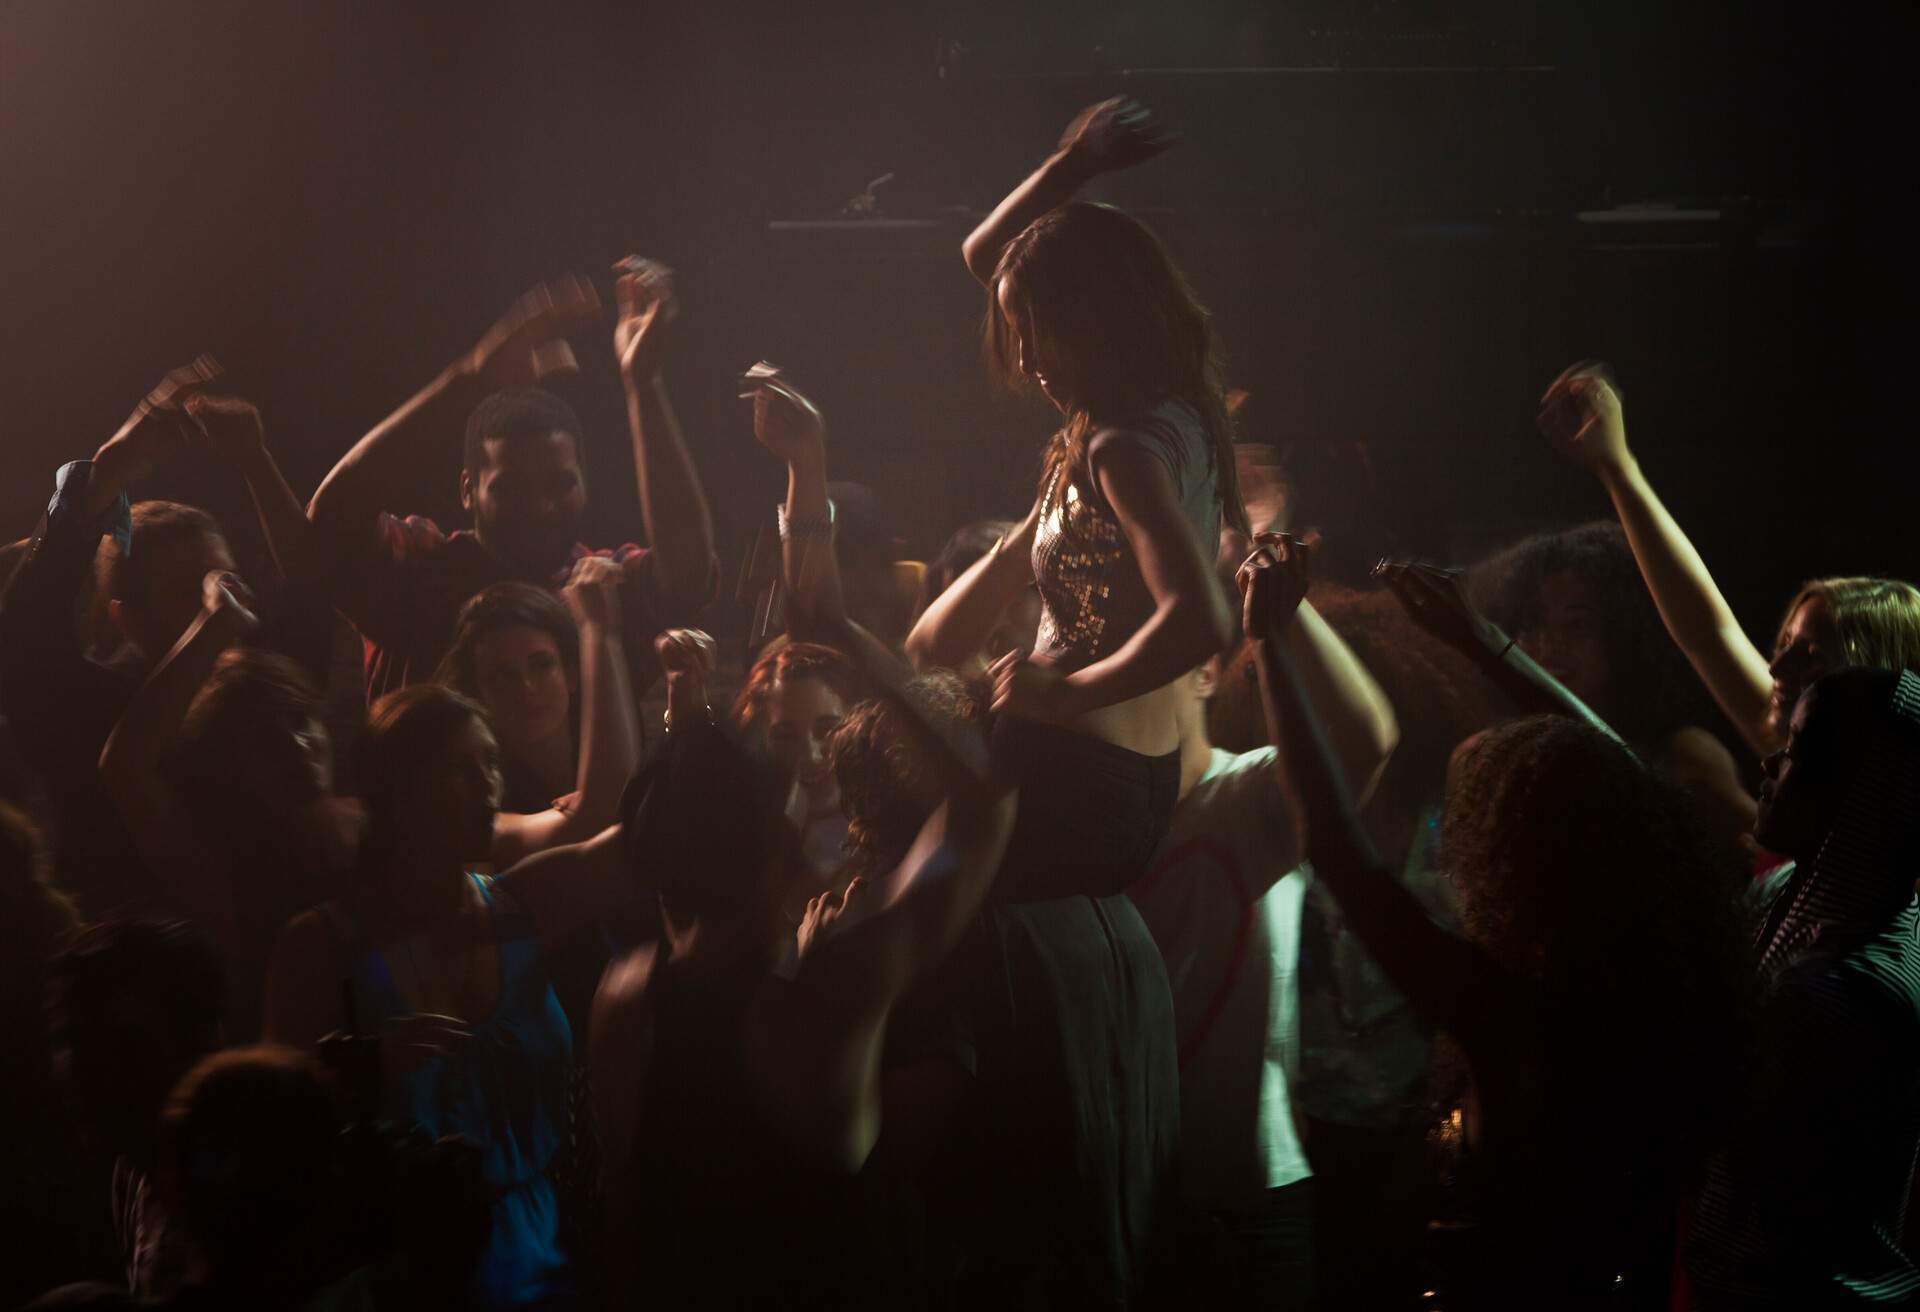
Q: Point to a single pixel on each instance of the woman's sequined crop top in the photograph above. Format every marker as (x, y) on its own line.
(1092, 595)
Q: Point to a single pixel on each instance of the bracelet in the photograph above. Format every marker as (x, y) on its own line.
(803, 528)
(666, 718)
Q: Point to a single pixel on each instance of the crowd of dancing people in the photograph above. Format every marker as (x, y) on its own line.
(1107, 913)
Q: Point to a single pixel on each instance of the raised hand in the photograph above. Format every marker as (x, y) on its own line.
(529, 342)
(1582, 415)
(222, 594)
(1264, 487)
(647, 306)
(1031, 688)
(229, 426)
(592, 593)
(1435, 599)
(1273, 583)
(159, 427)
(1112, 135)
(785, 421)
(686, 654)
(828, 909)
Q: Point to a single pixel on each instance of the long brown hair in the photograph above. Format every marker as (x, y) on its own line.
(404, 733)
(787, 664)
(1093, 287)
(1878, 619)
(496, 609)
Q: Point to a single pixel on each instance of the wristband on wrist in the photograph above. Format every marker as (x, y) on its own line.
(802, 528)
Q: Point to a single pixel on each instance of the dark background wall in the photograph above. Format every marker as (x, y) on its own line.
(1381, 202)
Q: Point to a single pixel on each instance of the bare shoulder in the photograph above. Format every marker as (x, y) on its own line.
(1692, 755)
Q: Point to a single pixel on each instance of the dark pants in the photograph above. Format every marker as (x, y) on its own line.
(1091, 815)
(1368, 1223)
(1254, 1257)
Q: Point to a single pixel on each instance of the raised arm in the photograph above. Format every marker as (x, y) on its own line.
(387, 466)
(1190, 621)
(958, 622)
(1582, 414)
(673, 505)
(789, 425)
(231, 429)
(1114, 134)
(51, 694)
(1445, 977)
(609, 731)
(1435, 600)
(133, 764)
(1359, 720)
(570, 886)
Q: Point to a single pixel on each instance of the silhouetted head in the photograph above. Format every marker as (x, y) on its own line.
(705, 824)
(251, 1137)
(522, 480)
(154, 585)
(1576, 603)
(429, 771)
(1840, 727)
(255, 740)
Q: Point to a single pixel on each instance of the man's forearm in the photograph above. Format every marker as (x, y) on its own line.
(283, 520)
(673, 505)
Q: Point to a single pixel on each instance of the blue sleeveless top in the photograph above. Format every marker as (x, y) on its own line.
(507, 1092)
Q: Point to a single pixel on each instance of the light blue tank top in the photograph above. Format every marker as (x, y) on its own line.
(507, 1092)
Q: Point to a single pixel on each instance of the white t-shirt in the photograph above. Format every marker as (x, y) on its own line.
(1222, 899)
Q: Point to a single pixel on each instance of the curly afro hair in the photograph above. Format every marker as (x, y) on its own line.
(884, 788)
(1652, 692)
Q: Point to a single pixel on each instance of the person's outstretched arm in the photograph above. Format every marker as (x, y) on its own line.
(673, 505)
(957, 623)
(1583, 415)
(609, 729)
(385, 467)
(1447, 979)
(1190, 620)
(59, 704)
(231, 428)
(789, 425)
(1112, 135)
(1435, 600)
(133, 764)
(1359, 719)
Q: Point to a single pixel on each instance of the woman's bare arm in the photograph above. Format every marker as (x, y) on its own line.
(1583, 414)
(609, 730)
(1114, 134)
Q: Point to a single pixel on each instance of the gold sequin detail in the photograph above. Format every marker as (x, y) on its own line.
(1080, 560)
